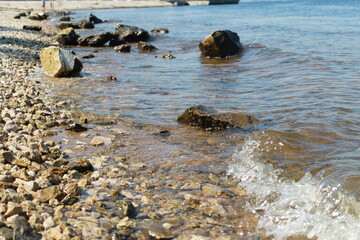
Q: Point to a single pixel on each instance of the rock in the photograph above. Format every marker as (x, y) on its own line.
(22, 14)
(111, 78)
(124, 208)
(76, 127)
(83, 24)
(53, 192)
(116, 41)
(59, 62)
(131, 33)
(99, 140)
(6, 233)
(65, 19)
(168, 56)
(96, 40)
(160, 30)
(95, 20)
(67, 37)
(146, 47)
(210, 189)
(181, 3)
(53, 233)
(6, 156)
(209, 119)
(221, 44)
(68, 25)
(123, 48)
(38, 16)
(158, 231)
(23, 230)
(12, 209)
(90, 55)
(32, 28)
(82, 166)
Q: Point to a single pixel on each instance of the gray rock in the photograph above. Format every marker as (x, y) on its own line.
(67, 37)
(209, 119)
(6, 233)
(96, 40)
(59, 62)
(83, 24)
(221, 44)
(124, 208)
(23, 230)
(131, 33)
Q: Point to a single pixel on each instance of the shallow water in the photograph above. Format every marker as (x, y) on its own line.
(299, 74)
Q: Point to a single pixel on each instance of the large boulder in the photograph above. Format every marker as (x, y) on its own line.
(59, 62)
(96, 40)
(95, 20)
(131, 33)
(67, 37)
(209, 119)
(221, 44)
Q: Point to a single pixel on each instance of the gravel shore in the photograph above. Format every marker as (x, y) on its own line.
(47, 191)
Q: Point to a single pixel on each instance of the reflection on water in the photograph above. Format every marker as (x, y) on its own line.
(298, 73)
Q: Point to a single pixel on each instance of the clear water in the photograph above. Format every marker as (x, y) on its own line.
(299, 74)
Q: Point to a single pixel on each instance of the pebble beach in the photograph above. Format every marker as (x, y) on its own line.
(46, 192)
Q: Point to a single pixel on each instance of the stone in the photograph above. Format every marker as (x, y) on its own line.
(58, 62)
(82, 166)
(99, 140)
(53, 233)
(6, 233)
(32, 28)
(168, 56)
(146, 47)
(90, 55)
(52, 192)
(83, 24)
(160, 30)
(209, 119)
(38, 16)
(124, 208)
(123, 48)
(221, 44)
(76, 127)
(23, 230)
(19, 15)
(111, 78)
(6, 157)
(68, 25)
(116, 41)
(65, 19)
(95, 20)
(12, 209)
(210, 189)
(67, 37)
(131, 33)
(180, 3)
(96, 40)
(158, 231)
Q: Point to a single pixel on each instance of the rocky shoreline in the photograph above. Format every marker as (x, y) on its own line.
(59, 181)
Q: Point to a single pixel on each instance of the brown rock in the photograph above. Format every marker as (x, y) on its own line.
(48, 193)
(67, 37)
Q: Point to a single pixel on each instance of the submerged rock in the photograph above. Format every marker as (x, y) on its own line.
(221, 44)
(210, 119)
(131, 33)
(59, 62)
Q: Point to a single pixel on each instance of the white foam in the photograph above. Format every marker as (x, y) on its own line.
(294, 208)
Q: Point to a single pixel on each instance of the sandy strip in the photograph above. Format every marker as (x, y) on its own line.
(82, 5)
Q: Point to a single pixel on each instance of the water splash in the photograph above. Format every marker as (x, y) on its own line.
(304, 207)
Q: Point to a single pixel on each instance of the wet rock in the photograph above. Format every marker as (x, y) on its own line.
(68, 25)
(83, 24)
(90, 55)
(160, 30)
(209, 119)
(146, 47)
(38, 16)
(32, 28)
(76, 127)
(131, 33)
(53, 192)
(210, 189)
(99, 140)
(168, 56)
(59, 62)
(180, 3)
(23, 230)
(96, 40)
(221, 44)
(124, 208)
(116, 41)
(111, 78)
(6, 233)
(95, 20)
(67, 37)
(65, 19)
(82, 166)
(123, 48)
(158, 231)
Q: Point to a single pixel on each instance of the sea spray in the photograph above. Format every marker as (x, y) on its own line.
(304, 207)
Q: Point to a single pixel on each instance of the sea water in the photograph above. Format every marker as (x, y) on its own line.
(299, 74)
